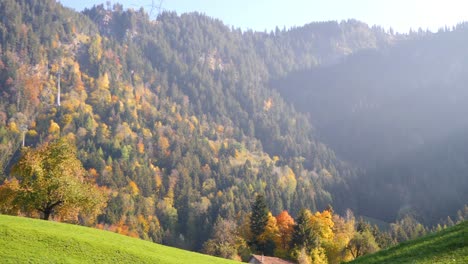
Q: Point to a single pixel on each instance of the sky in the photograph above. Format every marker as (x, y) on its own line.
(260, 15)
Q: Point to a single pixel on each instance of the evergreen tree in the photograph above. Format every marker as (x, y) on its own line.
(303, 236)
(258, 221)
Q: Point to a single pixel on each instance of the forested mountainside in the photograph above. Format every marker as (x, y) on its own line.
(400, 114)
(174, 116)
(183, 122)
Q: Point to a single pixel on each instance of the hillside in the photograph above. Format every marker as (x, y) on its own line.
(184, 121)
(26, 240)
(173, 116)
(397, 113)
(447, 246)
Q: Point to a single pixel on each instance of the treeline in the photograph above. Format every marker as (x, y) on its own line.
(319, 237)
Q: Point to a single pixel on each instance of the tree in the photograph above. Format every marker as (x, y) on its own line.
(362, 226)
(322, 225)
(343, 230)
(258, 220)
(318, 255)
(269, 238)
(362, 244)
(285, 225)
(95, 49)
(303, 236)
(383, 239)
(225, 241)
(303, 257)
(51, 180)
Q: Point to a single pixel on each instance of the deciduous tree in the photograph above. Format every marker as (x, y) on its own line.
(270, 236)
(362, 243)
(51, 180)
(285, 225)
(225, 241)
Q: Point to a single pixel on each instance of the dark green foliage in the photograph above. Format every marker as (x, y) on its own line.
(383, 239)
(407, 228)
(397, 113)
(303, 236)
(258, 221)
(362, 226)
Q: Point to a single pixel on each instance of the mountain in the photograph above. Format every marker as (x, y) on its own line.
(398, 113)
(174, 116)
(404, 84)
(183, 120)
(27, 240)
(445, 246)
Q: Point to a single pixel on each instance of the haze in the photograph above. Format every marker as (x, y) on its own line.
(259, 15)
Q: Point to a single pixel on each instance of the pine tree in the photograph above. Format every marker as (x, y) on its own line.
(258, 221)
(303, 236)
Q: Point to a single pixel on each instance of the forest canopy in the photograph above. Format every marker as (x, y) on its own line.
(182, 122)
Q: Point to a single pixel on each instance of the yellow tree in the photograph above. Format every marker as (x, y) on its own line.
(322, 226)
(51, 180)
(269, 237)
(343, 231)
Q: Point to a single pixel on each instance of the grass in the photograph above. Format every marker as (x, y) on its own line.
(447, 246)
(25, 240)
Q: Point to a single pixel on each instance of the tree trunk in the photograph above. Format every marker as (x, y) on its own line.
(49, 209)
(47, 213)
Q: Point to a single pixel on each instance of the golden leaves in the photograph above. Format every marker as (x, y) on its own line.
(134, 188)
(267, 104)
(54, 128)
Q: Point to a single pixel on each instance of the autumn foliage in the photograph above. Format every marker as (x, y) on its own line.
(50, 180)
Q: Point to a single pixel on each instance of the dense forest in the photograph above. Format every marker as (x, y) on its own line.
(400, 114)
(183, 121)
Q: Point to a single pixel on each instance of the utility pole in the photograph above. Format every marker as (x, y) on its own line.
(158, 7)
(24, 129)
(59, 73)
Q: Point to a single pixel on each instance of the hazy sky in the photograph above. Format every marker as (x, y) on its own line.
(259, 15)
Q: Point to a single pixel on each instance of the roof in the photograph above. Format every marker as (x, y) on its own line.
(269, 260)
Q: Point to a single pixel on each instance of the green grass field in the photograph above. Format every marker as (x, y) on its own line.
(447, 246)
(24, 240)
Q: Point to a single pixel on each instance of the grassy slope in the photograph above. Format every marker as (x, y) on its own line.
(24, 240)
(447, 246)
